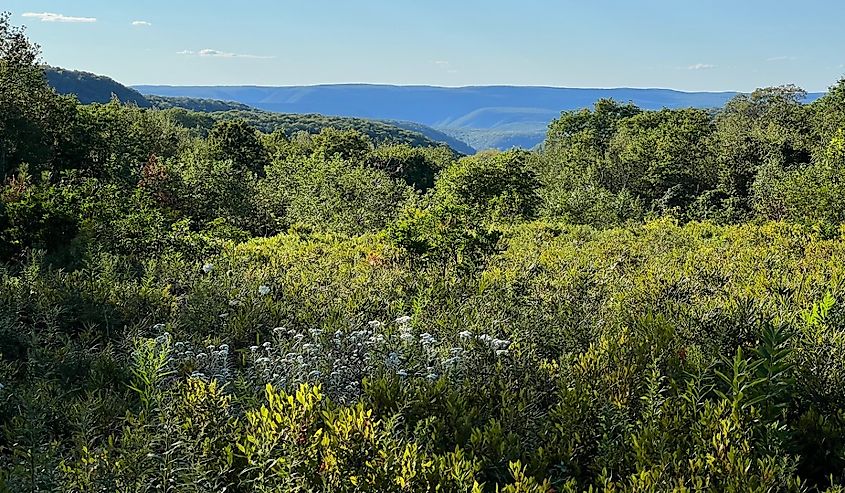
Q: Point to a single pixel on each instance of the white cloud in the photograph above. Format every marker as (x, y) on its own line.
(53, 17)
(781, 58)
(141, 23)
(701, 66)
(221, 54)
(447, 66)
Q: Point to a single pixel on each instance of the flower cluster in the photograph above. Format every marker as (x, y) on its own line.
(340, 360)
(185, 358)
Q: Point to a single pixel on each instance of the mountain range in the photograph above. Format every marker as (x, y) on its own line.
(465, 118)
(483, 116)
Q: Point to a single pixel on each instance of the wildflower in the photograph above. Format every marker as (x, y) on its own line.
(431, 376)
(402, 373)
(465, 334)
(500, 343)
(374, 324)
(427, 339)
(403, 320)
(261, 361)
(263, 290)
(278, 331)
(208, 268)
(158, 327)
(224, 315)
(485, 338)
(314, 374)
(253, 348)
(407, 336)
(501, 352)
(267, 345)
(224, 348)
(234, 303)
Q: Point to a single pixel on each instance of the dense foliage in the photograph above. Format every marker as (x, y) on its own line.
(653, 301)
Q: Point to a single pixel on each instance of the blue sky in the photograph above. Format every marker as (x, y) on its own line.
(680, 44)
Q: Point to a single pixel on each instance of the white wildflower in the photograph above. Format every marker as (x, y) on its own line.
(208, 268)
(465, 334)
(403, 320)
(407, 336)
(427, 339)
(263, 290)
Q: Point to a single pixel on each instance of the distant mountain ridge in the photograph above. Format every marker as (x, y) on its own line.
(92, 88)
(482, 116)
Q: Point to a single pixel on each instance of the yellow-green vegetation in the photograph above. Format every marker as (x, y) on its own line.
(651, 302)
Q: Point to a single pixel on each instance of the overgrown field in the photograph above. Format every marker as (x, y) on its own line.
(651, 302)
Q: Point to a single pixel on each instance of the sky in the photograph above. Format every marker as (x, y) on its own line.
(709, 45)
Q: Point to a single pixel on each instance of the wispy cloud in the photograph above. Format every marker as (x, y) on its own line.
(141, 24)
(445, 65)
(53, 17)
(701, 66)
(222, 54)
(781, 58)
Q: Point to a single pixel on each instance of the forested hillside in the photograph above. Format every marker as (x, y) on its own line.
(91, 88)
(651, 301)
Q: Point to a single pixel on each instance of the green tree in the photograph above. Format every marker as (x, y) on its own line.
(814, 193)
(500, 186)
(415, 165)
(26, 102)
(828, 114)
(350, 145)
(661, 157)
(237, 141)
(592, 128)
(768, 127)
